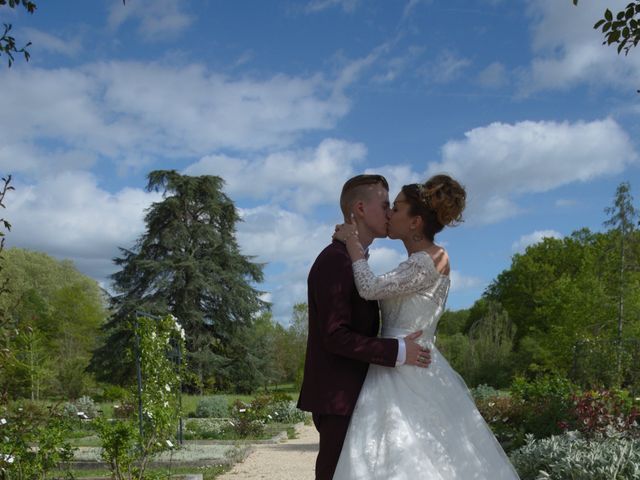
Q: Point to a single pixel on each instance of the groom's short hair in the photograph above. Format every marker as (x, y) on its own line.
(356, 188)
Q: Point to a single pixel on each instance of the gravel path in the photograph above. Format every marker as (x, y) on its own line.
(290, 460)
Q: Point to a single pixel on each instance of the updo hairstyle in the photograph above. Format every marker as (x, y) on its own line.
(439, 201)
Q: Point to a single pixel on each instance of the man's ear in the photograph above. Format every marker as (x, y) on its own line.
(358, 209)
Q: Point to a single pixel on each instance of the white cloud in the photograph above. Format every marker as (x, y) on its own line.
(159, 19)
(532, 238)
(70, 216)
(127, 110)
(299, 178)
(460, 281)
(501, 161)
(276, 235)
(448, 67)
(45, 42)
(568, 51)
(315, 6)
(565, 202)
(493, 76)
(392, 68)
(385, 259)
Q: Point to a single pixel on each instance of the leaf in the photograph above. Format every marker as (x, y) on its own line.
(608, 15)
(598, 23)
(620, 16)
(606, 27)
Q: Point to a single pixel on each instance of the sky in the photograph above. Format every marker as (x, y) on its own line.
(287, 99)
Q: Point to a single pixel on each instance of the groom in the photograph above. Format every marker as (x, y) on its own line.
(343, 327)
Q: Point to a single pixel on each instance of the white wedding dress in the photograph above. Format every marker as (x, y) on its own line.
(410, 422)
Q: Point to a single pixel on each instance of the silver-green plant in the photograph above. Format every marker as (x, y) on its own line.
(572, 457)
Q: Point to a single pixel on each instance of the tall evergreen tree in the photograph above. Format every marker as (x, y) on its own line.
(187, 263)
(623, 218)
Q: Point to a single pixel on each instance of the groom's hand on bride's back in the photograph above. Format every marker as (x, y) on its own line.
(417, 355)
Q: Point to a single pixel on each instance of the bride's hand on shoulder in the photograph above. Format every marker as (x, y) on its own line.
(344, 231)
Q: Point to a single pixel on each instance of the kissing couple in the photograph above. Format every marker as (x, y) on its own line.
(386, 403)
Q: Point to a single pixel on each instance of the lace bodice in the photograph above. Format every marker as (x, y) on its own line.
(412, 296)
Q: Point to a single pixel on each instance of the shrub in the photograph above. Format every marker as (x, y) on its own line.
(546, 404)
(282, 408)
(205, 428)
(484, 392)
(248, 418)
(114, 393)
(571, 456)
(24, 425)
(87, 406)
(596, 412)
(504, 416)
(212, 407)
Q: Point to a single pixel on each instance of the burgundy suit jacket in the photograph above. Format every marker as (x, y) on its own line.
(342, 340)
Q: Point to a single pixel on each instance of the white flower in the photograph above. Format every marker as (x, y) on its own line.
(153, 335)
(7, 458)
(83, 415)
(270, 417)
(165, 404)
(167, 387)
(242, 410)
(169, 444)
(3, 421)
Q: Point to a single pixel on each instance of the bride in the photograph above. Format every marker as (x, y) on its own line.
(412, 423)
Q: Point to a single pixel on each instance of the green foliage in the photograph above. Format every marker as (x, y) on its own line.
(484, 354)
(7, 42)
(247, 419)
(570, 457)
(52, 314)
(212, 407)
(622, 28)
(564, 291)
(547, 402)
(187, 262)
(25, 425)
(128, 444)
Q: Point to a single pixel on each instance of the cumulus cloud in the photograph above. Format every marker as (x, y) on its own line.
(300, 178)
(568, 51)
(532, 238)
(273, 234)
(126, 110)
(499, 162)
(70, 216)
(158, 19)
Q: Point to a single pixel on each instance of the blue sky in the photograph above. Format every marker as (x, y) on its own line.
(287, 99)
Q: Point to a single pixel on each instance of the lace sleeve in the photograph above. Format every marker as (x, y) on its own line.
(415, 274)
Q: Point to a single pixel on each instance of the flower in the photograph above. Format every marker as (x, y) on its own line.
(3, 421)
(167, 387)
(169, 444)
(7, 458)
(242, 410)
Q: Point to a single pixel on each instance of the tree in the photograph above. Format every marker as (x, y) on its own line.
(187, 263)
(54, 314)
(8, 42)
(623, 217)
(621, 29)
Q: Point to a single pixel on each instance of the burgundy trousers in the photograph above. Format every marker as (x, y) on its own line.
(332, 430)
